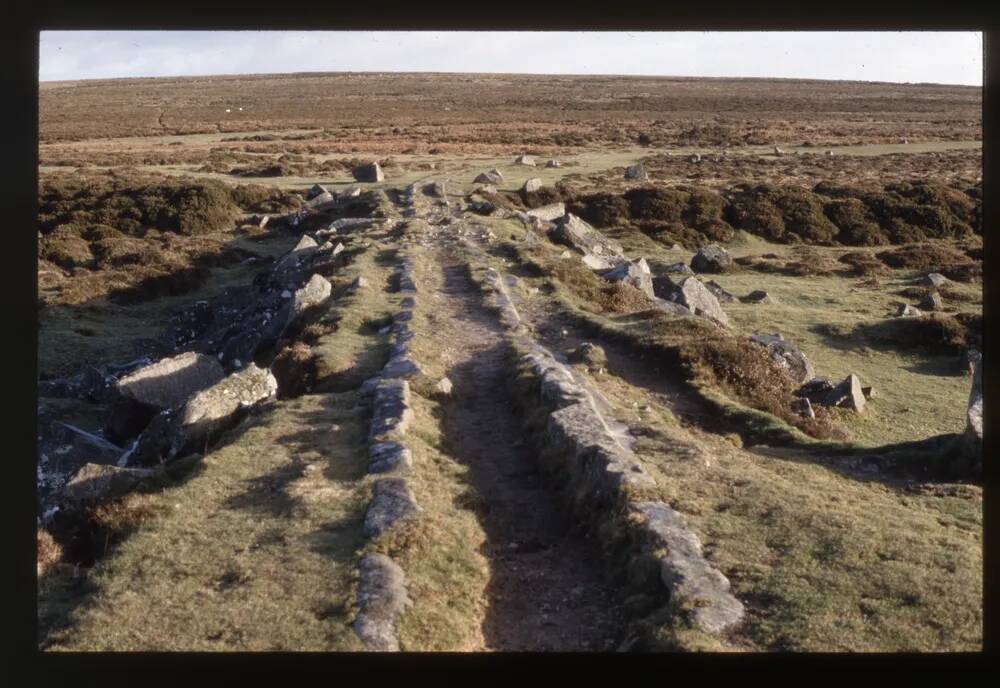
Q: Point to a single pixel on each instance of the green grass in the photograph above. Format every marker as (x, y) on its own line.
(255, 551)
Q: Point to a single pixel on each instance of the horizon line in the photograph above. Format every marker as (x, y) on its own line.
(566, 74)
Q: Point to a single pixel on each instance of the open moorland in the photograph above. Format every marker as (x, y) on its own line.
(421, 362)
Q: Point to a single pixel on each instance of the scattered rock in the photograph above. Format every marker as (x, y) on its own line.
(533, 184)
(351, 192)
(972, 358)
(905, 310)
(711, 258)
(316, 291)
(721, 294)
(815, 390)
(786, 355)
(934, 279)
(577, 234)
(869, 392)
(679, 268)
(695, 158)
(693, 295)
(525, 160)
(94, 483)
(636, 171)
(552, 163)
(306, 247)
(207, 413)
(360, 282)
(803, 407)
(847, 394)
(634, 273)
(372, 172)
(491, 177)
(757, 296)
(974, 421)
(548, 213)
(932, 302)
(171, 381)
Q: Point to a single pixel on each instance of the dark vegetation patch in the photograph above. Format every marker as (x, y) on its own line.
(295, 370)
(934, 333)
(826, 215)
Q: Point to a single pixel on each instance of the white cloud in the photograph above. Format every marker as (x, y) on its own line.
(938, 57)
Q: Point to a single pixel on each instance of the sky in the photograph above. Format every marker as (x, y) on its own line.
(912, 56)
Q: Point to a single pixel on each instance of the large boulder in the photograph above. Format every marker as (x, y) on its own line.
(302, 251)
(711, 258)
(847, 394)
(316, 291)
(934, 279)
(95, 483)
(787, 356)
(533, 184)
(577, 234)
(209, 412)
(171, 381)
(489, 177)
(525, 160)
(372, 172)
(635, 273)
(636, 171)
(696, 297)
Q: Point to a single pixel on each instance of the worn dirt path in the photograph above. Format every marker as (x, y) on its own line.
(547, 587)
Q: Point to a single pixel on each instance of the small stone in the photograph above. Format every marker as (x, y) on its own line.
(803, 407)
(443, 386)
(932, 302)
(533, 184)
(934, 279)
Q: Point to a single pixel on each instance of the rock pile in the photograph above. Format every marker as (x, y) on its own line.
(599, 252)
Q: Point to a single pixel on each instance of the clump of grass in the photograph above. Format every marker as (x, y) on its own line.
(862, 264)
(295, 370)
(928, 257)
(48, 551)
(934, 333)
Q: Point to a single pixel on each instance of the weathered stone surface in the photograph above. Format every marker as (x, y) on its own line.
(385, 457)
(391, 503)
(171, 381)
(693, 582)
(635, 273)
(679, 268)
(381, 598)
(360, 282)
(787, 355)
(974, 412)
(848, 394)
(553, 163)
(972, 358)
(350, 192)
(671, 307)
(490, 177)
(905, 310)
(757, 296)
(692, 294)
(803, 407)
(316, 291)
(525, 160)
(721, 294)
(372, 172)
(306, 247)
(711, 258)
(533, 184)
(815, 390)
(320, 200)
(207, 413)
(596, 262)
(346, 224)
(63, 450)
(391, 410)
(549, 212)
(932, 302)
(579, 235)
(96, 482)
(636, 171)
(934, 279)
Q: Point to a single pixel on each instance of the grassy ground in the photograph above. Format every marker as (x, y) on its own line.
(253, 552)
(100, 331)
(825, 558)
